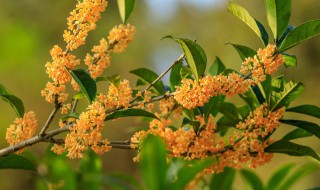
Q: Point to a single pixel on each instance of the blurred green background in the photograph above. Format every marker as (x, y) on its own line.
(29, 29)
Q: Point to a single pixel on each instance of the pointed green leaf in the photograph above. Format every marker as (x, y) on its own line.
(153, 164)
(125, 9)
(243, 51)
(210, 107)
(291, 60)
(290, 92)
(252, 179)
(175, 77)
(86, 83)
(148, 77)
(296, 133)
(188, 173)
(129, 113)
(278, 14)
(223, 180)
(195, 56)
(15, 102)
(267, 88)
(257, 90)
(300, 34)
(229, 110)
(244, 111)
(217, 67)
(279, 176)
(311, 110)
(292, 149)
(250, 98)
(244, 15)
(306, 125)
(288, 30)
(14, 161)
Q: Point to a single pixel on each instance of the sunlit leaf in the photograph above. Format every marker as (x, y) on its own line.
(312, 128)
(125, 9)
(244, 15)
(86, 83)
(279, 176)
(15, 102)
(185, 72)
(129, 113)
(14, 161)
(292, 149)
(278, 14)
(217, 67)
(244, 51)
(148, 77)
(311, 110)
(300, 34)
(291, 60)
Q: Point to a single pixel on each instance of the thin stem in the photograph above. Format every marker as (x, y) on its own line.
(51, 117)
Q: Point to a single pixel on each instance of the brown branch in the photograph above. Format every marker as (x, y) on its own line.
(56, 108)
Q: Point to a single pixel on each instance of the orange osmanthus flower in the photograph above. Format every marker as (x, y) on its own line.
(120, 36)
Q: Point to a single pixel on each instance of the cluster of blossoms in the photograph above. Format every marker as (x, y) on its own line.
(22, 129)
(194, 93)
(120, 36)
(245, 146)
(85, 133)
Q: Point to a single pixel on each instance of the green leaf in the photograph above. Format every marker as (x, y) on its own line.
(211, 106)
(224, 123)
(153, 165)
(130, 112)
(278, 176)
(291, 60)
(229, 110)
(296, 133)
(244, 15)
(300, 34)
(79, 95)
(15, 102)
(311, 110)
(290, 92)
(217, 67)
(243, 51)
(125, 9)
(175, 78)
(306, 125)
(68, 116)
(14, 161)
(292, 149)
(195, 56)
(90, 170)
(278, 14)
(244, 111)
(298, 174)
(114, 79)
(252, 179)
(188, 173)
(288, 30)
(250, 98)
(127, 179)
(258, 93)
(223, 180)
(267, 88)
(148, 77)
(185, 72)
(114, 182)
(86, 83)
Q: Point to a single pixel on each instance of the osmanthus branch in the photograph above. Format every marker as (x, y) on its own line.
(56, 108)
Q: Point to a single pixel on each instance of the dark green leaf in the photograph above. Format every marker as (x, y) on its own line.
(194, 54)
(279, 176)
(153, 163)
(224, 123)
(290, 92)
(289, 28)
(252, 179)
(264, 33)
(291, 60)
(185, 72)
(266, 86)
(290, 148)
(311, 110)
(244, 15)
(244, 111)
(229, 110)
(258, 92)
(115, 183)
(175, 78)
(130, 112)
(14, 161)
(68, 116)
(217, 67)
(244, 51)
(210, 107)
(278, 14)
(223, 180)
(300, 34)
(308, 126)
(125, 9)
(250, 98)
(14, 101)
(296, 133)
(128, 179)
(148, 77)
(86, 83)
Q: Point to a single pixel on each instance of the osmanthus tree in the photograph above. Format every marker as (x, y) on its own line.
(193, 128)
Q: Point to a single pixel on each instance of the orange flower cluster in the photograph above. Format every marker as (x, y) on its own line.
(100, 60)
(120, 36)
(246, 147)
(85, 133)
(82, 20)
(265, 62)
(23, 129)
(117, 96)
(194, 93)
